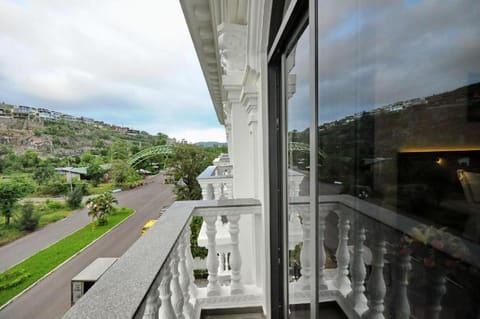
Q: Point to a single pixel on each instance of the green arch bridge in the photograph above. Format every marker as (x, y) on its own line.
(148, 153)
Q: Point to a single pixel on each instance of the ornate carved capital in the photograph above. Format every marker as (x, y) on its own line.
(232, 44)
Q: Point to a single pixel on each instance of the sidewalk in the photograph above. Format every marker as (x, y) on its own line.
(13, 253)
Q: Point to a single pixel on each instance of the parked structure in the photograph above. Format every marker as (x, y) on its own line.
(290, 231)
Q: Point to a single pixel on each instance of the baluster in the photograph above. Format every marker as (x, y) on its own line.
(223, 194)
(217, 191)
(343, 256)
(153, 301)
(376, 283)
(436, 279)
(177, 293)
(213, 288)
(184, 275)
(204, 191)
(221, 262)
(210, 192)
(321, 249)
(357, 297)
(166, 310)
(305, 253)
(236, 286)
(401, 305)
(189, 263)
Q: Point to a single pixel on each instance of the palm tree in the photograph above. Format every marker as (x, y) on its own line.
(100, 207)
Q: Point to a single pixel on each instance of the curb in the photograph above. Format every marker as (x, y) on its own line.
(64, 262)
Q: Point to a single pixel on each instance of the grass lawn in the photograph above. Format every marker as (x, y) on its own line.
(16, 279)
(50, 211)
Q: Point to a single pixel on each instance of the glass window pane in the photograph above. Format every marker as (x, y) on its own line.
(399, 143)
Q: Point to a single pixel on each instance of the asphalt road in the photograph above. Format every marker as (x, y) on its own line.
(50, 298)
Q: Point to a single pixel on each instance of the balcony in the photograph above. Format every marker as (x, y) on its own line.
(369, 279)
(216, 180)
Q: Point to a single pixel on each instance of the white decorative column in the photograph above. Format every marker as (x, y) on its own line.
(184, 275)
(343, 256)
(322, 214)
(166, 308)
(376, 282)
(249, 100)
(236, 286)
(357, 297)
(305, 253)
(213, 287)
(177, 293)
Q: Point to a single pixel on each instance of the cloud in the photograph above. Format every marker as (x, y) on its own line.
(124, 60)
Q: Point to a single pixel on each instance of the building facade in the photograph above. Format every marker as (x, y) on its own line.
(354, 166)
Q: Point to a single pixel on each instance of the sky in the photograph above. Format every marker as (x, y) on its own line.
(125, 62)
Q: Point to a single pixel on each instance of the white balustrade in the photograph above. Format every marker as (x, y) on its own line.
(174, 294)
(436, 279)
(343, 255)
(177, 293)
(153, 301)
(184, 274)
(236, 286)
(376, 282)
(401, 305)
(166, 310)
(357, 297)
(213, 287)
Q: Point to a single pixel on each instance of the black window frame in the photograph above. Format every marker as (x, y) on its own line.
(283, 36)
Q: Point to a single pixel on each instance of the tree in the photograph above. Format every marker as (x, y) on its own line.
(100, 207)
(10, 192)
(30, 159)
(188, 162)
(95, 172)
(43, 172)
(122, 173)
(119, 150)
(28, 218)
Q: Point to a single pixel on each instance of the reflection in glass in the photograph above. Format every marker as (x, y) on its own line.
(298, 150)
(399, 133)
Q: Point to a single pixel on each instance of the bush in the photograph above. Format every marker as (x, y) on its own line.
(74, 198)
(11, 279)
(28, 219)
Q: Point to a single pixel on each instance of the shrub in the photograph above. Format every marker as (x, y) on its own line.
(11, 279)
(74, 198)
(28, 219)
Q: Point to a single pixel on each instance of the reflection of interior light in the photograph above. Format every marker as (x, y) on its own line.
(439, 149)
(440, 161)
